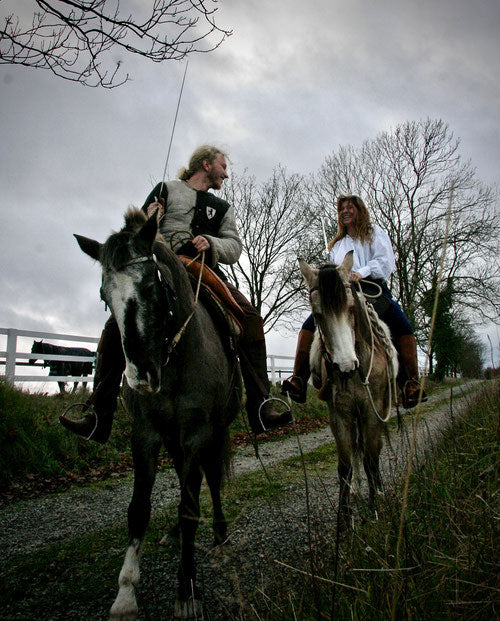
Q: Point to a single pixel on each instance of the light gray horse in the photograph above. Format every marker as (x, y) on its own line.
(343, 357)
(183, 390)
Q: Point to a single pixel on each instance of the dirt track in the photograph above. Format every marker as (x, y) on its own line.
(264, 534)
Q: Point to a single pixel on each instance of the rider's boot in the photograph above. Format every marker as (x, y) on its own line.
(408, 376)
(253, 358)
(101, 405)
(296, 385)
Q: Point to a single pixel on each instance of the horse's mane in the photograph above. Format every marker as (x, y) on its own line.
(363, 329)
(331, 289)
(116, 250)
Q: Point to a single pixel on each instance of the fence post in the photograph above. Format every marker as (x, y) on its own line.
(273, 370)
(10, 361)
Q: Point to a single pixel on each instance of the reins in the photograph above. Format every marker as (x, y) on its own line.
(390, 375)
(174, 341)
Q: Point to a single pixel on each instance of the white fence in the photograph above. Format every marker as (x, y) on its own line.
(17, 355)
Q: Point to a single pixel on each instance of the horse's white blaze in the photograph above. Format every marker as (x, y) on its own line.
(123, 291)
(342, 343)
(125, 604)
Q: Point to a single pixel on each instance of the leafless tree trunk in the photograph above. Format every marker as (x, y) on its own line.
(406, 177)
(74, 38)
(272, 219)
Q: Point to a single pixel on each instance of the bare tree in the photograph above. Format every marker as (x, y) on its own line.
(407, 178)
(74, 38)
(272, 219)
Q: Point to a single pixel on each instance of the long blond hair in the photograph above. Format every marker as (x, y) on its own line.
(363, 226)
(204, 153)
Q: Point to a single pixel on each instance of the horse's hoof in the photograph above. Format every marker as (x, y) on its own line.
(188, 609)
(123, 613)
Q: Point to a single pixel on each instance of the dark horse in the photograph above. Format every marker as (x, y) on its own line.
(183, 389)
(355, 364)
(64, 367)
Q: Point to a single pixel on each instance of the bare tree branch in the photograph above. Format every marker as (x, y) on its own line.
(406, 178)
(74, 38)
(272, 220)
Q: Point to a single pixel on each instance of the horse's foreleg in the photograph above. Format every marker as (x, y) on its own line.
(187, 603)
(344, 470)
(345, 439)
(62, 387)
(373, 446)
(124, 607)
(75, 386)
(145, 455)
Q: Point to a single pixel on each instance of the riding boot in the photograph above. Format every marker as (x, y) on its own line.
(96, 424)
(408, 376)
(252, 352)
(295, 386)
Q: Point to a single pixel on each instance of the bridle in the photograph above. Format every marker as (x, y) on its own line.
(327, 356)
(170, 342)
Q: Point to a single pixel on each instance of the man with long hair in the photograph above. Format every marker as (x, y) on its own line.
(185, 204)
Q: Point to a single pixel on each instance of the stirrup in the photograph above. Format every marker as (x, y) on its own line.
(411, 402)
(286, 419)
(89, 409)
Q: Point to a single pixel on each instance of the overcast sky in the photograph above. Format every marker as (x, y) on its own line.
(294, 81)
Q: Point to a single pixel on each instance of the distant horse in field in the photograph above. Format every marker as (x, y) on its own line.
(64, 367)
(354, 363)
(183, 389)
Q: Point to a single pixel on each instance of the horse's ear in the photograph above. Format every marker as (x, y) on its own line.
(346, 267)
(307, 272)
(89, 246)
(149, 229)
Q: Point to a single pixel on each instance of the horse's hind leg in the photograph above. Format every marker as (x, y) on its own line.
(62, 388)
(145, 454)
(214, 475)
(75, 386)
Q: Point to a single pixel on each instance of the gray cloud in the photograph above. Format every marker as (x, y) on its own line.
(293, 82)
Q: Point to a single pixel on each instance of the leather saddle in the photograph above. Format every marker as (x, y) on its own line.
(216, 296)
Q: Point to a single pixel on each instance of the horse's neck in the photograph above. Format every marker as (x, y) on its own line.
(48, 348)
(175, 274)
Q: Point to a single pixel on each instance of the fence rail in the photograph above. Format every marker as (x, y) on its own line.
(11, 358)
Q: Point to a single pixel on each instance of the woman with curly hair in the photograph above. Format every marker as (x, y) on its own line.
(373, 261)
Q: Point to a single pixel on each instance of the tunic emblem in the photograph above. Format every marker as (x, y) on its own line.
(210, 212)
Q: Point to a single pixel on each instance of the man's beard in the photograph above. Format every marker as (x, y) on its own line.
(214, 181)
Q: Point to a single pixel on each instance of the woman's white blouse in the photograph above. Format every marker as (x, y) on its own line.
(375, 259)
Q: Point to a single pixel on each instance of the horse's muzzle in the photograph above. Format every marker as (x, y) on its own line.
(145, 382)
(344, 374)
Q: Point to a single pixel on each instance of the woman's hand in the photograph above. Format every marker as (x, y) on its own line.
(355, 277)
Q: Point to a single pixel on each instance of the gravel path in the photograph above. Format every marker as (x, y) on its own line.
(269, 531)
